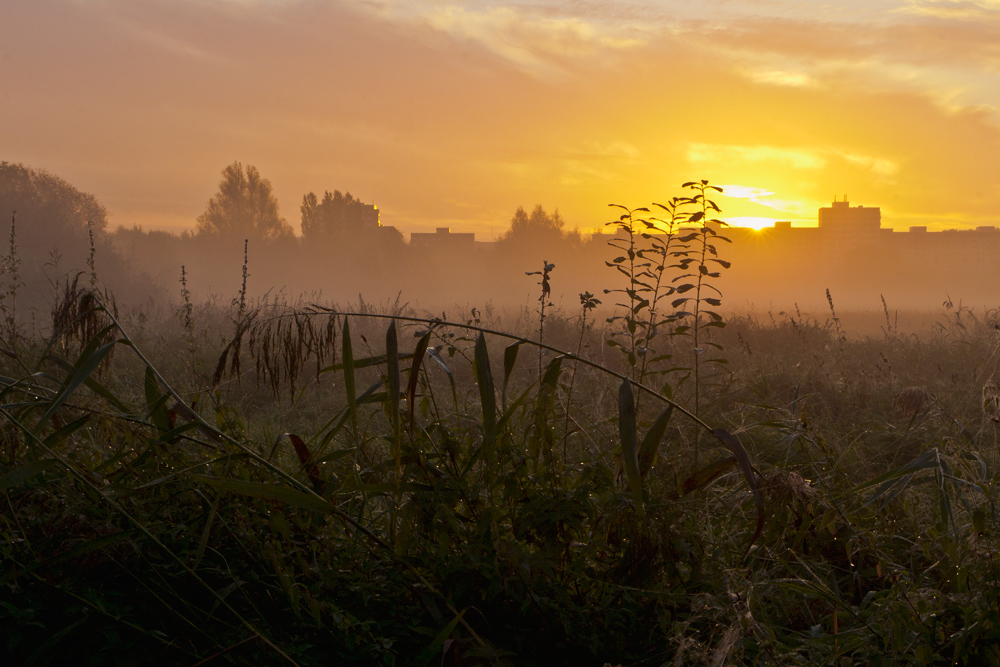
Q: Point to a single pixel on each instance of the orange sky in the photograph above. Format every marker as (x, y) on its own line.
(455, 113)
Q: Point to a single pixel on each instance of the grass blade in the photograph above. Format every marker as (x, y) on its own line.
(509, 359)
(206, 532)
(702, 478)
(347, 353)
(435, 646)
(156, 403)
(392, 367)
(392, 371)
(647, 450)
(305, 458)
(629, 441)
(94, 386)
(543, 436)
(928, 459)
(364, 362)
(733, 444)
(57, 437)
(487, 396)
(411, 385)
(280, 494)
(512, 408)
(86, 364)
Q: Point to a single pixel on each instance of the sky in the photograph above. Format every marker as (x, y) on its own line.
(449, 113)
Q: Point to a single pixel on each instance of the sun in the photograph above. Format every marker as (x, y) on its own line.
(750, 221)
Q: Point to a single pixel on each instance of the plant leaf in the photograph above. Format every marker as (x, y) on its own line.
(702, 478)
(88, 361)
(411, 385)
(347, 353)
(392, 370)
(431, 651)
(487, 397)
(279, 494)
(156, 403)
(509, 358)
(650, 443)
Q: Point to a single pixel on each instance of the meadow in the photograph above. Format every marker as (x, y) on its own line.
(640, 481)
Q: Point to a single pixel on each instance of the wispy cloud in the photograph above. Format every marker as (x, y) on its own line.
(780, 78)
(532, 42)
(878, 166)
(762, 197)
(951, 8)
(536, 37)
(162, 40)
(792, 157)
(796, 158)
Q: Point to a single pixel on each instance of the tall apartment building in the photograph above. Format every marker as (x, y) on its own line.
(841, 217)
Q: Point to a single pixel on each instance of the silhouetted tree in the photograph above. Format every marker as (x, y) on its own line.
(336, 216)
(244, 207)
(52, 239)
(537, 230)
(46, 205)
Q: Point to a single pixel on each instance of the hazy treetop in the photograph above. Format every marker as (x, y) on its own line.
(244, 207)
(538, 227)
(336, 214)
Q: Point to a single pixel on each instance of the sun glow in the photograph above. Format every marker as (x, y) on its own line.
(750, 221)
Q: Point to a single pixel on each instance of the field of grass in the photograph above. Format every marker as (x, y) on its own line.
(264, 483)
(370, 490)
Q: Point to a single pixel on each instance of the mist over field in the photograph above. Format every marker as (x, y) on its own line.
(346, 253)
(407, 333)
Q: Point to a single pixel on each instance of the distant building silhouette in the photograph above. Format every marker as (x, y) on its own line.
(443, 241)
(842, 217)
(846, 234)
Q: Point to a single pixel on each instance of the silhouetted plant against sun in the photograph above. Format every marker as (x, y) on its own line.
(665, 247)
(587, 303)
(701, 265)
(626, 332)
(543, 303)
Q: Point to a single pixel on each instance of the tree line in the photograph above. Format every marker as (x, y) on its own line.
(245, 207)
(342, 245)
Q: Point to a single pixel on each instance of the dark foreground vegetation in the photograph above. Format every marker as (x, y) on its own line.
(388, 511)
(252, 483)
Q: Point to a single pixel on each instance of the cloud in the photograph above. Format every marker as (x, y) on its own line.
(796, 158)
(962, 9)
(162, 40)
(878, 166)
(952, 57)
(764, 198)
(745, 192)
(781, 78)
(533, 40)
(791, 157)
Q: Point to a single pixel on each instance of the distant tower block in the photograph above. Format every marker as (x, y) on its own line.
(842, 217)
